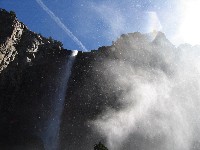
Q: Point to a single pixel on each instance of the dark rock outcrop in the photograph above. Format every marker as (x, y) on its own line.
(29, 66)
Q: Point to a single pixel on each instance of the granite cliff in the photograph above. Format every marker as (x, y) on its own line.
(27, 61)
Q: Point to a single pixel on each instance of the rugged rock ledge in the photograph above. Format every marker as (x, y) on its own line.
(28, 62)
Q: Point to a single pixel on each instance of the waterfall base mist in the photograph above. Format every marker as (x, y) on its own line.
(50, 135)
(159, 97)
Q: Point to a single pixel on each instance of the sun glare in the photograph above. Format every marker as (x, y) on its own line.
(154, 22)
(190, 25)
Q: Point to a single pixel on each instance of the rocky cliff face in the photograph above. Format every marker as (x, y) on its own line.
(27, 61)
(30, 67)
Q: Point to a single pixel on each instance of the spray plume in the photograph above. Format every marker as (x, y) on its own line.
(159, 97)
(61, 25)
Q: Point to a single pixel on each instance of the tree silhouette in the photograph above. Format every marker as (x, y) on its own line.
(100, 146)
(13, 13)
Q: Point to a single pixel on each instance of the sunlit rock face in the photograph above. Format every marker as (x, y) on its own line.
(10, 37)
(139, 93)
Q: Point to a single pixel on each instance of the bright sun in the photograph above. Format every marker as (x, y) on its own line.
(190, 25)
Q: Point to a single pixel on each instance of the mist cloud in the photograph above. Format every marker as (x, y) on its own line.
(120, 18)
(113, 17)
(160, 99)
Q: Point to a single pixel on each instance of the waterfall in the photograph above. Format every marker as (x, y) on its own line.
(51, 134)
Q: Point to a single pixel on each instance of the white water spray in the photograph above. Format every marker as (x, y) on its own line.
(51, 133)
(160, 102)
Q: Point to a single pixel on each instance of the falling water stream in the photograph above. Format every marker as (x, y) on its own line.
(51, 133)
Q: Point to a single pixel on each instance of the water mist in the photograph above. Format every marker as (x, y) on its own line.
(159, 100)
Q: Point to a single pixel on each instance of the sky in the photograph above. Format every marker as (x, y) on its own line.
(89, 24)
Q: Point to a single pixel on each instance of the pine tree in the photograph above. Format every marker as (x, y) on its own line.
(100, 146)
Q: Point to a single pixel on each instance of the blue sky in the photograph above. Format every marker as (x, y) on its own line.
(97, 22)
